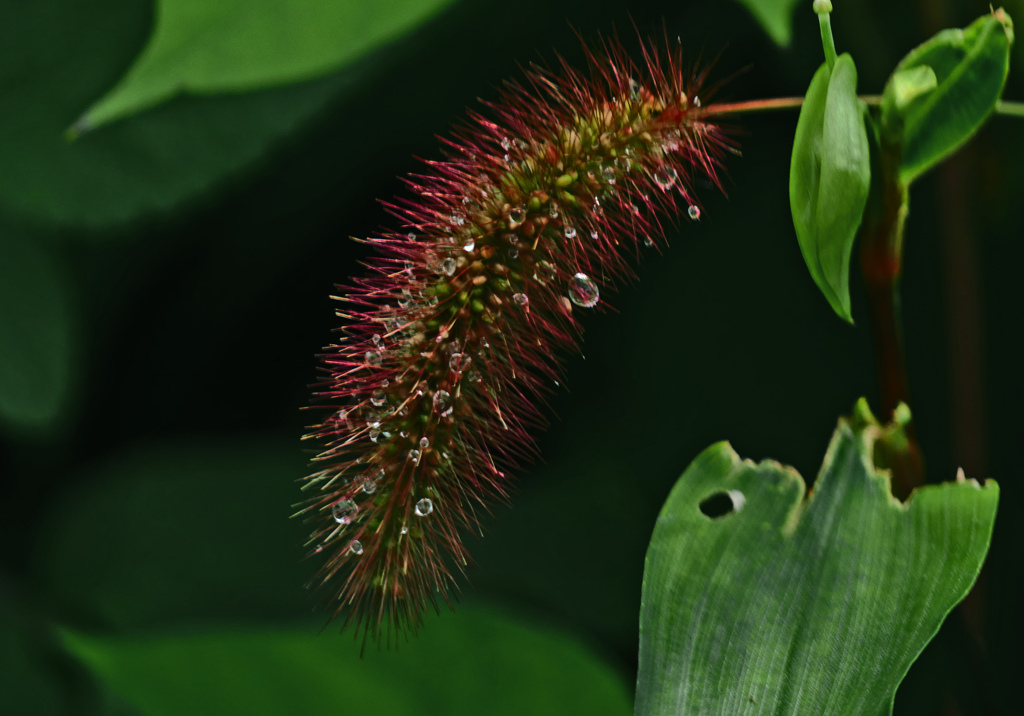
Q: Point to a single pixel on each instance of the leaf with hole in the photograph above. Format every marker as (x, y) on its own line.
(829, 178)
(969, 68)
(757, 600)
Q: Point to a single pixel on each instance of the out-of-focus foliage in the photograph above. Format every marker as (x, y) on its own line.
(477, 657)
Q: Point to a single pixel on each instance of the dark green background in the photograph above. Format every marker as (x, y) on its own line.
(195, 247)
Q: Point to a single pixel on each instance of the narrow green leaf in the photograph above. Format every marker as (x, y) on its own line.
(212, 46)
(830, 175)
(787, 605)
(64, 55)
(35, 334)
(970, 68)
(775, 16)
(473, 662)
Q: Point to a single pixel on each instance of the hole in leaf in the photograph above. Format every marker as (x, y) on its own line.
(721, 504)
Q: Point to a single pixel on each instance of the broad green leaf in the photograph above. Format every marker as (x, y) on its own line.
(211, 46)
(801, 606)
(58, 57)
(35, 333)
(180, 530)
(829, 179)
(473, 662)
(970, 68)
(775, 16)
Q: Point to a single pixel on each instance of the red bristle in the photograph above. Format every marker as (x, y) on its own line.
(453, 338)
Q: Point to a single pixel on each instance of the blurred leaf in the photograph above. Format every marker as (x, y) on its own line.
(58, 57)
(804, 607)
(473, 662)
(28, 684)
(180, 531)
(829, 179)
(775, 16)
(970, 68)
(35, 334)
(210, 46)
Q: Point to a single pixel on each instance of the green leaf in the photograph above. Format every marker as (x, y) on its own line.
(211, 46)
(178, 531)
(472, 662)
(60, 57)
(775, 16)
(970, 68)
(786, 605)
(829, 179)
(35, 334)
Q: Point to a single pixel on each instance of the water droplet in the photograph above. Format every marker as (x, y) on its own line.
(424, 507)
(506, 143)
(424, 443)
(474, 376)
(553, 210)
(319, 548)
(378, 398)
(372, 358)
(513, 253)
(356, 547)
(448, 266)
(570, 232)
(404, 530)
(593, 235)
(696, 101)
(521, 298)
(515, 218)
(375, 432)
(369, 486)
(344, 511)
(442, 401)
(583, 291)
(693, 212)
(609, 175)
(458, 220)
(648, 241)
(470, 245)
(665, 178)
(414, 456)
(412, 236)
(376, 339)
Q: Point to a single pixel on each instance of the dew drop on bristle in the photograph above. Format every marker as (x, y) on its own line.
(665, 178)
(448, 266)
(470, 245)
(376, 339)
(378, 398)
(356, 547)
(693, 212)
(506, 143)
(515, 218)
(344, 511)
(583, 291)
(424, 443)
(696, 101)
(372, 358)
(404, 530)
(442, 401)
(458, 220)
(634, 90)
(424, 507)
(570, 232)
(369, 486)
(609, 174)
(521, 299)
(553, 211)
(593, 235)
(414, 457)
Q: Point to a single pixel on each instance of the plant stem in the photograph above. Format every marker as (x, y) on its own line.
(1003, 107)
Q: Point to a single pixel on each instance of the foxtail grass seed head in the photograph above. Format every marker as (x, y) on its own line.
(453, 337)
